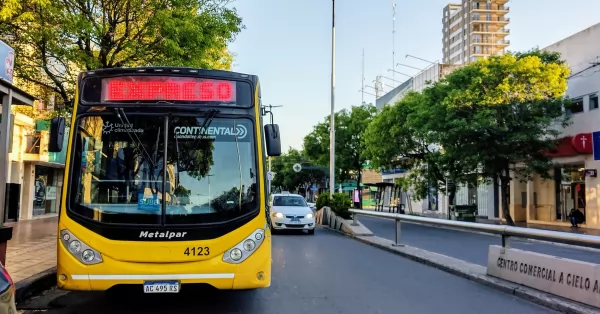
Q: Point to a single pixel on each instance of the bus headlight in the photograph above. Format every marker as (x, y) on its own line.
(235, 254)
(81, 251)
(249, 245)
(244, 248)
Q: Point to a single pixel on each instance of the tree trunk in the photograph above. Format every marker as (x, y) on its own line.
(451, 197)
(504, 186)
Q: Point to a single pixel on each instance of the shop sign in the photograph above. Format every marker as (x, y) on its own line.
(582, 143)
(573, 146)
(7, 62)
(592, 173)
(596, 144)
(571, 279)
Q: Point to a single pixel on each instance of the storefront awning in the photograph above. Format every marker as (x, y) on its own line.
(46, 164)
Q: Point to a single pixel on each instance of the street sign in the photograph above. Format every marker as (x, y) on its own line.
(596, 144)
(270, 175)
(297, 167)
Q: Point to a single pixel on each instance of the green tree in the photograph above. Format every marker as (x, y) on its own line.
(55, 40)
(395, 138)
(350, 126)
(500, 115)
(286, 178)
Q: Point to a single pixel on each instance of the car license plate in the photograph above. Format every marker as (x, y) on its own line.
(295, 221)
(161, 287)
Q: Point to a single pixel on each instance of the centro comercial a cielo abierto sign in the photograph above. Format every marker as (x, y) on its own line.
(567, 278)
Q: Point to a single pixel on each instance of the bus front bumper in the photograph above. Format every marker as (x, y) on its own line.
(254, 272)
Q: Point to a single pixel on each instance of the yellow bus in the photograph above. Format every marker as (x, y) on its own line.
(164, 182)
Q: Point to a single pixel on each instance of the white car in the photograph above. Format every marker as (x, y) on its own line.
(312, 206)
(291, 212)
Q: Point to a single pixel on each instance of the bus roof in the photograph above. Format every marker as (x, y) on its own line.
(170, 70)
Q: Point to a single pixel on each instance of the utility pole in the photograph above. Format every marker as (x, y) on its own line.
(393, 38)
(270, 111)
(332, 118)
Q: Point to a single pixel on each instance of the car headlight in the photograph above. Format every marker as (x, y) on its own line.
(81, 251)
(278, 215)
(245, 248)
(309, 216)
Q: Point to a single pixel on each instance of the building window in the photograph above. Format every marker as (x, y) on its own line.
(576, 106)
(594, 102)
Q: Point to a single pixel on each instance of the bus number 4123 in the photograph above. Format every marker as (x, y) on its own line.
(197, 251)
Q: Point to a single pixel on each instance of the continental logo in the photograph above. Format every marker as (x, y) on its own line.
(195, 132)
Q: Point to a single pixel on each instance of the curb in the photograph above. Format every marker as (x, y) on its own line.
(582, 248)
(476, 273)
(35, 284)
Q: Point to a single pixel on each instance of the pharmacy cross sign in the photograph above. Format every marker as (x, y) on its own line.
(297, 167)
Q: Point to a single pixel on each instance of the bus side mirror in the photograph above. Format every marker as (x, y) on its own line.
(273, 140)
(57, 134)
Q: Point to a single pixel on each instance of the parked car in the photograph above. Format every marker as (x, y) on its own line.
(7, 292)
(291, 212)
(312, 206)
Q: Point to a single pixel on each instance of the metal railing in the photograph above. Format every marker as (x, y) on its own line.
(503, 230)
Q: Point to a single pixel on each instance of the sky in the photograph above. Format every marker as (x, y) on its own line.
(288, 45)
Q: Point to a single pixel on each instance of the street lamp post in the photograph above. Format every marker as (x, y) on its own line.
(332, 119)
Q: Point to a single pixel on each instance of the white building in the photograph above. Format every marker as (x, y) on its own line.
(575, 185)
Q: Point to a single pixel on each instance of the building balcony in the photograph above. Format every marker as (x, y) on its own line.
(490, 20)
(488, 42)
(494, 9)
(495, 30)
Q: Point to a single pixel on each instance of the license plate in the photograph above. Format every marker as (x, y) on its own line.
(161, 287)
(295, 221)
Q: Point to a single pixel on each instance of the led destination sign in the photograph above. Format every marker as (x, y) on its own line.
(167, 88)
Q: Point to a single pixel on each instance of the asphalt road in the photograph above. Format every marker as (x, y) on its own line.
(324, 273)
(470, 247)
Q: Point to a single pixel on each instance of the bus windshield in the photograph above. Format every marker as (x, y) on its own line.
(120, 160)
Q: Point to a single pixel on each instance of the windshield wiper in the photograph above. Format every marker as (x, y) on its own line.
(140, 147)
(208, 119)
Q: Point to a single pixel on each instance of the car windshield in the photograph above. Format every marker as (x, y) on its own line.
(119, 162)
(289, 201)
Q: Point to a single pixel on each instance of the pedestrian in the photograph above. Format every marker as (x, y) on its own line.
(576, 217)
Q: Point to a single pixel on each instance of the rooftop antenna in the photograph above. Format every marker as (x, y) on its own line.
(363, 77)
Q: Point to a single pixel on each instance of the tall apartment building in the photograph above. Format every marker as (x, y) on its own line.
(474, 29)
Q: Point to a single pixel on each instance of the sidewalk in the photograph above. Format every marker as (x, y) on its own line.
(32, 249)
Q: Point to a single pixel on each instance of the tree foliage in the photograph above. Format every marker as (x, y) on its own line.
(503, 114)
(350, 148)
(496, 117)
(287, 179)
(55, 40)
